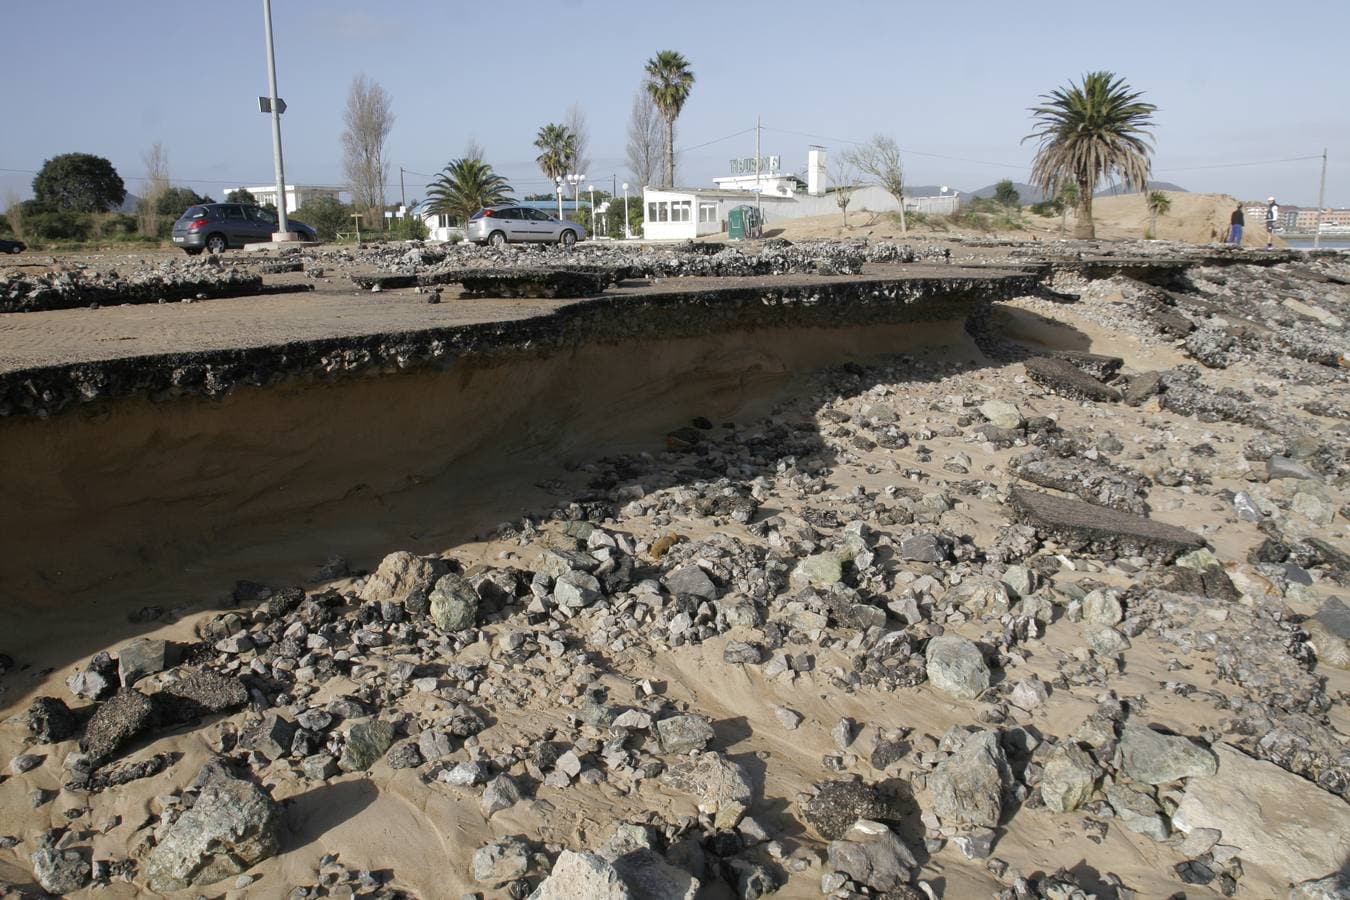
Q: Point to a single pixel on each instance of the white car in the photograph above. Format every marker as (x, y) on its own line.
(498, 225)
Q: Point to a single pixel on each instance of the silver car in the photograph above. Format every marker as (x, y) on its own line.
(497, 225)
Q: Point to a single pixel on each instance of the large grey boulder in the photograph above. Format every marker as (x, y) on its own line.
(453, 603)
(691, 579)
(584, 874)
(837, 805)
(501, 861)
(1288, 826)
(141, 658)
(367, 740)
(1137, 810)
(1156, 758)
(1002, 414)
(649, 877)
(399, 576)
(873, 855)
(980, 595)
(820, 570)
(116, 722)
(60, 871)
(968, 786)
(956, 666)
(1329, 634)
(1068, 777)
(680, 734)
(719, 785)
(233, 825)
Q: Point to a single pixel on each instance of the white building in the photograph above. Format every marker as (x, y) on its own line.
(297, 195)
(684, 213)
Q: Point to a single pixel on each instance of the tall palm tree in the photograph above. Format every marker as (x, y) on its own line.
(1089, 131)
(1158, 205)
(465, 186)
(557, 150)
(669, 80)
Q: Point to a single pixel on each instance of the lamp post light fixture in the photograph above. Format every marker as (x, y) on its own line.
(627, 232)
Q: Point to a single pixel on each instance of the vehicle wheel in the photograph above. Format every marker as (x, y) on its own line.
(567, 238)
(497, 238)
(216, 243)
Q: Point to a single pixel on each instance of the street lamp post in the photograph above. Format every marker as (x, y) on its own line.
(593, 231)
(627, 232)
(282, 227)
(558, 180)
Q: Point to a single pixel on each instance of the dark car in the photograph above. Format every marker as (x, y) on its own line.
(8, 246)
(215, 226)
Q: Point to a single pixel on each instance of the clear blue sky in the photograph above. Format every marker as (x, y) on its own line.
(1236, 82)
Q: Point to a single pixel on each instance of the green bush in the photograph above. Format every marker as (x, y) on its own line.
(327, 216)
(114, 225)
(53, 225)
(412, 228)
(1047, 208)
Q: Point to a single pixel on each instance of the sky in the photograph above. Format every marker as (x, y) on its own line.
(1249, 93)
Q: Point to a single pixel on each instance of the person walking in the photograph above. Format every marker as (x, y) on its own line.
(1235, 223)
(1272, 216)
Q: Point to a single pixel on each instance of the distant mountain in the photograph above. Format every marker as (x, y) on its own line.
(129, 204)
(1120, 191)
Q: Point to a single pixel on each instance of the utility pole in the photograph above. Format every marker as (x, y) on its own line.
(402, 191)
(282, 228)
(759, 189)
(1321, 193)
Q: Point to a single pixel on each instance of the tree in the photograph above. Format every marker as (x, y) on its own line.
(243, 195)
(1090, 131)
(369, 118)
(879, 159)
(78, 182)
(176, 199)
(1006, 194)
(1158, 205)
(845, 180)
(327, 215)
(669, 81)
(557, 151)
(156, 184)
(465, 186)
(646, 140)
(581, 139)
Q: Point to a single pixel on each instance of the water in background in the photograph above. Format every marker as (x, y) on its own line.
(1327, 244)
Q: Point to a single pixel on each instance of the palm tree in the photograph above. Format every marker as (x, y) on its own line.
(1158, 205)
(557, 150)
(1087, 132)
(669, 81)
(465, 186)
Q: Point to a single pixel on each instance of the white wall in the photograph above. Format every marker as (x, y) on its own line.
(653, 229)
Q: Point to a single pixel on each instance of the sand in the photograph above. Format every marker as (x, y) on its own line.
(168, 469)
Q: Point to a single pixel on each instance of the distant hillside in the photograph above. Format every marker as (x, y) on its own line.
(129, 204)
(1027, 193)
(1120, 191)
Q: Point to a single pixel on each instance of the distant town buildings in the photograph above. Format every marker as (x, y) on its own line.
(683, 213)
(1301, 219)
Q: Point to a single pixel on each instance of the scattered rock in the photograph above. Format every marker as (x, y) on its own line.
(956, 666)
(234, 824)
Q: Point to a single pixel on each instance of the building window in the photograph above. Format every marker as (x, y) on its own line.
(651, 211)
(707, 212)
(680, 210)
(445, 221)
(663, 211)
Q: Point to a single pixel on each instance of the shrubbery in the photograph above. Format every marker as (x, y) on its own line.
(326, 215)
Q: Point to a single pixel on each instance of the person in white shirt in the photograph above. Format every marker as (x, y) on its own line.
(1272, 216)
